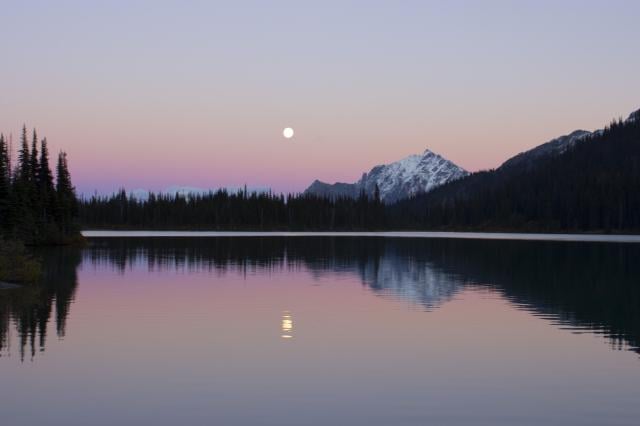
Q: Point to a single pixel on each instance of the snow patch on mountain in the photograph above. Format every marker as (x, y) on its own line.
(401, 179)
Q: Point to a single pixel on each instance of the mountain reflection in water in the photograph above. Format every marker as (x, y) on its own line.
(589, 287)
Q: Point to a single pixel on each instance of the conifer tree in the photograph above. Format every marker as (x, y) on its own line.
(67, 203)
(33, 159)
(24, 167)
(45, 188)
(5, 184)
(21, 214)
(35, 202)
(4, 168)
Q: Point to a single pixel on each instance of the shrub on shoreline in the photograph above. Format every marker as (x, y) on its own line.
(16, 264)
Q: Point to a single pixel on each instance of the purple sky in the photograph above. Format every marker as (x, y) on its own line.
(152, 94)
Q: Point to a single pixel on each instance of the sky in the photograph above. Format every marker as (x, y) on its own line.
(150, 94)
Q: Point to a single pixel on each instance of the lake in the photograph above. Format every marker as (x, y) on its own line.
(281, 329)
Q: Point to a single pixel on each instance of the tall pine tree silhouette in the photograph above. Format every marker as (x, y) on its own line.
(35, 202)
(24, 165)
(5, 184)
(33, 159)
(45, 188)
(67, 202)
(22, 214)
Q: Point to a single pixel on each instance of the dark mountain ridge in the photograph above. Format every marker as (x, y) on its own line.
(579, 182)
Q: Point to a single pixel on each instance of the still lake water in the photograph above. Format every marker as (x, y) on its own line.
(328, 330)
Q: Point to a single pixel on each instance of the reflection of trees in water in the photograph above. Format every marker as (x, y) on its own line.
(583, 285)
(595, 286)
(592, 286)
(159, 254)
(30, 308)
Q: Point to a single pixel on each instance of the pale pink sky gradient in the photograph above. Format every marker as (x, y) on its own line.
(153, 94)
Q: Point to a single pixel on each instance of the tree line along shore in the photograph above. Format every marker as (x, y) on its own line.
(36, 206)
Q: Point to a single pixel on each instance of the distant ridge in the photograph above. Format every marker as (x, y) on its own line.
(553, 147)
(557, 146)
(187, 191)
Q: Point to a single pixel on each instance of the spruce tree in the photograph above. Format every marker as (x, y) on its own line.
(5, 185)
(4, 168)
(35, 201)
(66, 197)
(46, 191)
(21, 213)
(24, 166)
(33, 159)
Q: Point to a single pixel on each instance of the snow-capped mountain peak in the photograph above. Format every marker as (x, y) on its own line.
(401, 179)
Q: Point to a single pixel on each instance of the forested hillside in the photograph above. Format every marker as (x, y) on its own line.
(593, 186)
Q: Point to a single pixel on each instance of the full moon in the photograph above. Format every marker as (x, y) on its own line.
(288, 133)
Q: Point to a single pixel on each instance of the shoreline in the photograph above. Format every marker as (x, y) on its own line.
(8, 286)
(608, 238)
